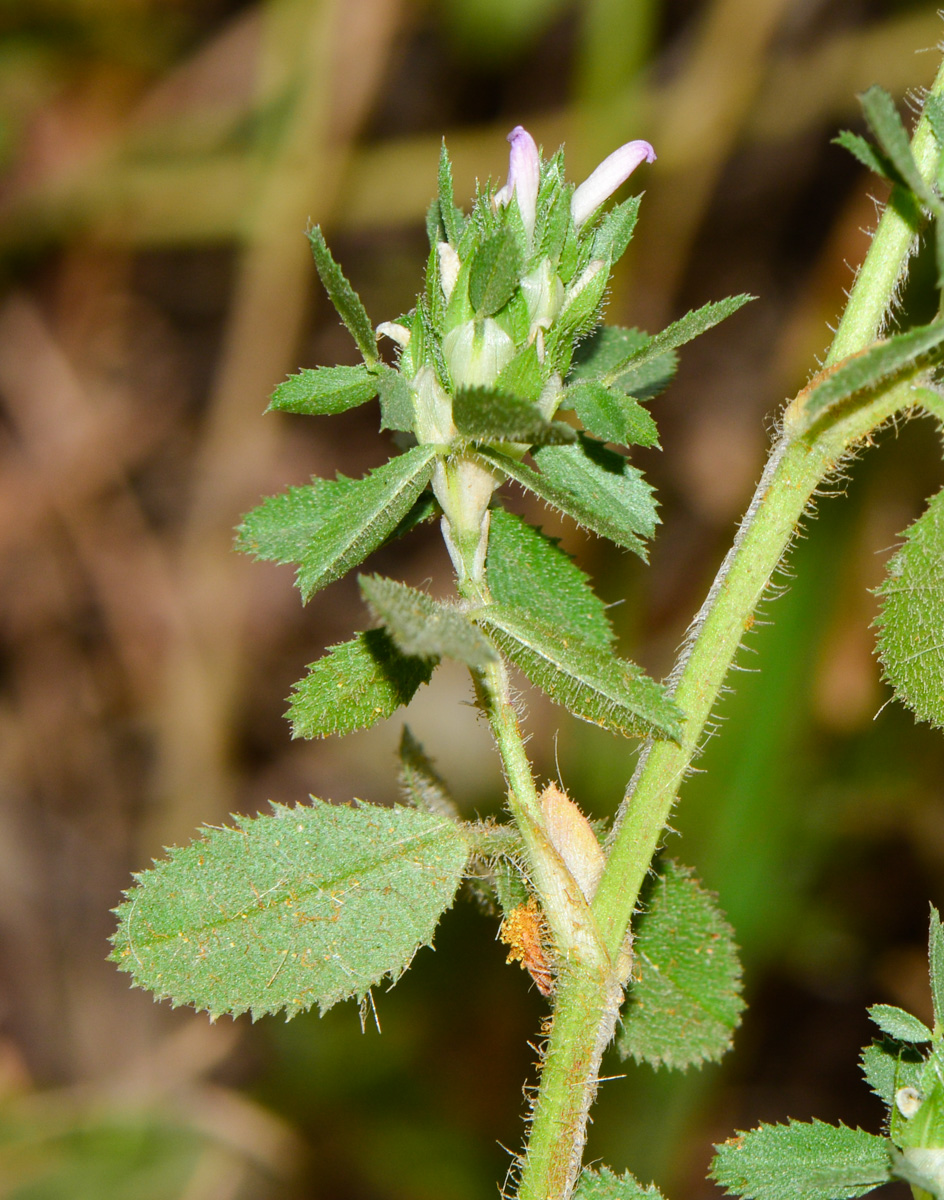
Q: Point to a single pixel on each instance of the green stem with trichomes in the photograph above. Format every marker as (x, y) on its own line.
(797, 466)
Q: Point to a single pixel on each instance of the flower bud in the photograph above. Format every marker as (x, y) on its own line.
(572, 836)
(433, 409)
(524, 176)
(603, 182)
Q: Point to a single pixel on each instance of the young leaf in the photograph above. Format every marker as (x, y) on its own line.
(879, 364)
(487, 415)
(396, 401)
(885, 122)
(453, 218)
(888, 1065)
(616, 230)
(528, 571)
(594, 685)
(310, 905)
(367, 512)
(801, 1162)
(613, 500)
(911, 621)
(421, 785)
(422, 627)
(354, 686)
(898, 1024)
(867, 154)
(936, 960)
(606, 1185)
(323, 391)
(685, 999)
(611, 415)
(934, 111)
(493, 274)
(691, 326)
(343, 297)
(524, 376)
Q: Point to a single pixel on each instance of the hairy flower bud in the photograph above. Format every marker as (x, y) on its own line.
(476, 351)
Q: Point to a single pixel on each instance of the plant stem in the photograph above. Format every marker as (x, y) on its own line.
(795, 469)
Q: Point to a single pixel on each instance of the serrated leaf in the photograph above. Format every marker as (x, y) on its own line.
(343, 297)
(331, 526)
(612, 415)
(936, 965)
(493, 274)
(911, 620)
(452, 217)
(527, 571)
(607, 1185)
(934, 111)
(396, 401)
(886, 124)
(355, 685)
(888, 1065)
(612, 500)
(580, 313)
(592, 684)
(601, 482)
(879, 364)
(615, 231)
(422, 627)
(867, 154)
(420, 783)
(487, 415)
(323, 391)
(311, 905)
(899, 1024)
(366, 514)
(425, 509)
(685, 998)
(558, 222)
(684, 330)
(801, 1161)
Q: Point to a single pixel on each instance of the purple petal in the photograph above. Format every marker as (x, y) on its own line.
(524, 176)
(608, 176)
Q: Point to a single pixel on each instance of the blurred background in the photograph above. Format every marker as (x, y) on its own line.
(159, 163)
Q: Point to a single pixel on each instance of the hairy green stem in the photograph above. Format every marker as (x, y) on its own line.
(797, 466)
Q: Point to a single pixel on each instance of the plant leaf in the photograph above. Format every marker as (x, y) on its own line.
(885, 122)
(606, 1185)
(527, 571)
(422, 627)
(615, 231)
(867, 154)
(487, 415)
(936, 961)
(421, 785)
(888, 1065)
(355, 685)
(879, 364)
(610, 346)
(592, 684)
(310, 905)
(323, 391)
(367, 513)
(802, 1161)
(343, 297)
(452, 217)
(611, 415)
(613, 500)
(911, 620)
(493, 274)
(898, 1024)
(685, 1000)
(691, 326)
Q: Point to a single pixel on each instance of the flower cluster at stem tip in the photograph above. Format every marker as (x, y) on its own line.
(511, 288)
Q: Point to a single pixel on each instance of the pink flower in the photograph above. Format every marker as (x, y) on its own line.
(524, 175)
(604, 181)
